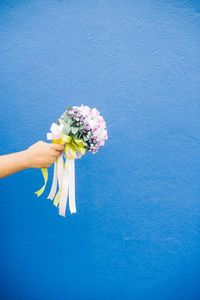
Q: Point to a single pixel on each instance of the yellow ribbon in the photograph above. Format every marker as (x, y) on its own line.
(72, 145)
(45, 176)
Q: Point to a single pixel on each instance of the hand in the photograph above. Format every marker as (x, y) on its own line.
(42, 155)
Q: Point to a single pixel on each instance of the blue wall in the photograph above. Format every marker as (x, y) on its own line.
(137, 231)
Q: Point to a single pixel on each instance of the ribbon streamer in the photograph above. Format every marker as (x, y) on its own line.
(71, 173)
(64, 192)
(64, 181)
(68, 188)
(45, 176)
(54, 183)
(63, 184)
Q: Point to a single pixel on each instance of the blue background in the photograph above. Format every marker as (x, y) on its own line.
(137, 231)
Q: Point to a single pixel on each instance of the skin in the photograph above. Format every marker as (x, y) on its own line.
(39, 155)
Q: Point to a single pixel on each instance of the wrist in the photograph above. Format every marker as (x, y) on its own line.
(26, 159)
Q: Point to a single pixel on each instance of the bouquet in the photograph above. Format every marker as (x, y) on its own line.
(81, 129)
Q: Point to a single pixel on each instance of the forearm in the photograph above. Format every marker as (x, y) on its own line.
(39, 155)
(12, 163)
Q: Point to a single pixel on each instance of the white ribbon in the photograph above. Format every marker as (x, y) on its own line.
(64, 192)
(54, 183)
(60, 170)
(68, 188)
(71, 177)
(63, 177)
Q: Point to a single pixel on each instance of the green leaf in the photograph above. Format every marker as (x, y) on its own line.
(74, 130)
(70, 121)
(81, 127)
(66, 129)
(85, 138)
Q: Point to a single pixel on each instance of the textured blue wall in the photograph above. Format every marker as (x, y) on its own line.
(137, 231)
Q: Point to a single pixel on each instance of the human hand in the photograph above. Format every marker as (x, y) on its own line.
(42, 155)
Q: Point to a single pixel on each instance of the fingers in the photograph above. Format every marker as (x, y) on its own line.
(57, 147)
(51, 160)
(47, 165)
(55, 156)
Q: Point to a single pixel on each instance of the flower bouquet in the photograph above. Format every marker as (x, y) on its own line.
(81, 129)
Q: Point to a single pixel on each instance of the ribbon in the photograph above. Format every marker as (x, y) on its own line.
(68, 188)
(65, 176)
(45, 176)
(54, 183)
(71, 172)
(60, 171)
(63, 184)
(64, 192)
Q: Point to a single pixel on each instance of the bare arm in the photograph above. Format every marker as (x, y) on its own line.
(39, 155)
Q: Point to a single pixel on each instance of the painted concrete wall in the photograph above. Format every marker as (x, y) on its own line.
(136, 234)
